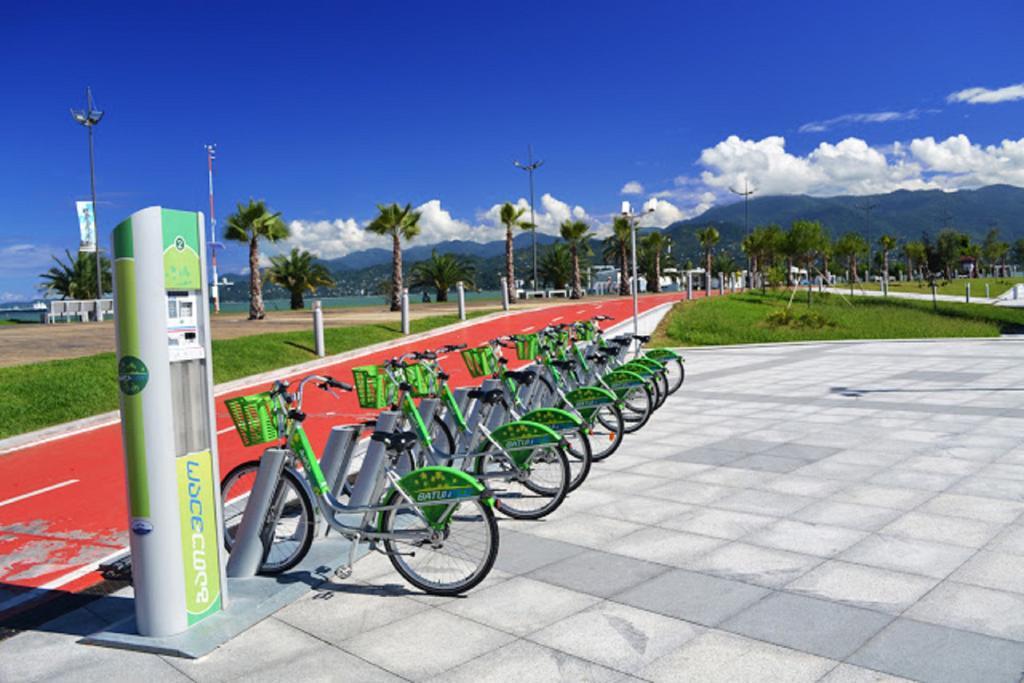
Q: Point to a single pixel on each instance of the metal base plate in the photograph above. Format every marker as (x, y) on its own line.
(252, 600)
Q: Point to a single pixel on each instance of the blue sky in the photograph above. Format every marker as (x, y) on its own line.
(325, 110)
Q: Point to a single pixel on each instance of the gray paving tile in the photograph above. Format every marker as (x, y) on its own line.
(1009, 541)
(883, 496)
(582, 529)
(816, 626)
(848, 673)
(520, 553)
(692, 596)
(990, 487)
(753, 564)
(861, 586)
(959, 531)
(794, 484)
(764, 502)
(676, 548)
(1001, 571)
(914, 556)
(847, 515)
(974, 507)
(744, 445)
(598, 573)
(520, 605)
(704, 455)
(733, 475)
(273, 651)
(425, 644)
(718, 657)
(769, 463)
(641, 510)
(931, 653)
(526, 662)
(800, 451)
(691, 492)
(617, 636)
(801, 537)
(728, 524)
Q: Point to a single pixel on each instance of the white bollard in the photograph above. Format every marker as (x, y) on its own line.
(504, 293)
(318, 329)
(689, 286)
(967, 293)
(405, 310)
(988, 292)
(461, 291)
(721, 283)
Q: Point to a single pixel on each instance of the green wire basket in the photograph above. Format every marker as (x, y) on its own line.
(527, 346)
(479, 361)
(418, 377)
(586, 331)
(253, 417)
(374, 388)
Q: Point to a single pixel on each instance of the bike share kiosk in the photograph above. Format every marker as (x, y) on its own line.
(167, 419)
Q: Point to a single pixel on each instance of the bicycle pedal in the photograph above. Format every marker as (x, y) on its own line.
(343, 572)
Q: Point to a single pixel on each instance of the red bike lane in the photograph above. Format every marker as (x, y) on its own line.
(63, 506)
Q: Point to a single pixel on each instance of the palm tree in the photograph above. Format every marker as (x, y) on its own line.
(441, 271)
(914, 252)
(76, 278)
(298, 273)
(652, 247)
(399, 223)
(555, 266)
(511, 218)
(851, 246)
(708, 238)
(616, 247)
(805, 240)
(577, 236)
(887, 243)
(248, 224)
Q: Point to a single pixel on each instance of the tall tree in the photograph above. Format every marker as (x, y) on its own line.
(249, 224)
(399, 223)
(298, 273)
(915, 252)
(512, 217)
(708, 237)
(616, 247)
(851, 247)
(805, 240)
(555, 266)
(76, 278)
(994, 251)
(887, 244)
(441, 272)
(762, 246)
(1018, 252)
(577, 235)
(653, 246)
(949, 248)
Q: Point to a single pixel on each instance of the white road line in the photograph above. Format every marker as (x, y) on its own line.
(39, 592)
(225, 430)
(555, 320)
(23, 496)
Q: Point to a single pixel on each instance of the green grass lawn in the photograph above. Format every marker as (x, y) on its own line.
(752, 318)
(42, 394)
(997, 286)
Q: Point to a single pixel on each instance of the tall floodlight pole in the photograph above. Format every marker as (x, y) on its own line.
(867, 206)
(627, 212)
(90, 118)
(746, 216)
(211, 154)
(530, 166)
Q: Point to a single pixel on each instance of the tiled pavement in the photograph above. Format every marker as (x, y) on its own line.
(832, 512)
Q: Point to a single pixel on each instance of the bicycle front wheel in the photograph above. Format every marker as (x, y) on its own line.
(289, 526)
(447, 561)
(532, 492)
(606, 430)
(637, 406)
(676, 374)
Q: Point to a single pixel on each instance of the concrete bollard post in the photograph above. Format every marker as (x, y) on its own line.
(721, 283)
(318, 329)
(504, 293)
(967, 293)
(405, 310)
(988, 291)
(461, 291)
(689, 286)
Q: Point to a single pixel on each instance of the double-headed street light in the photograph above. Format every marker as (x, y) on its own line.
(90, 118)
(627, 212)
(530, 166)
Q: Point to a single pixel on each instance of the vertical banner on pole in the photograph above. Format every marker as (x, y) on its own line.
(86, 226)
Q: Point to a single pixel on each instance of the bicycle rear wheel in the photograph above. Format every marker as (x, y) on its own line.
(606, 430)
(580, 455)
(290, 524)
(637, 405)
(533, 493)
(676, 374)
(449, 561)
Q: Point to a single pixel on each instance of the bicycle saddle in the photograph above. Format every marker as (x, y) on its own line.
(489, 397)
(642, 338)
(524, 377)
(564, 364)
(620, 341)
(608, 353)
(396, 441)
(600, 359)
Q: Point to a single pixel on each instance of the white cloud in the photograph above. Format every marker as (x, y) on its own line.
(632, 187)
(845, 119)
(959, 163)
(988, 96)
(29, 256)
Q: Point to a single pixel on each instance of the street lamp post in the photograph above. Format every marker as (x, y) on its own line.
(90, 118)
(211, 154)
(530, 166)
(867, 206)
(627, 211)
(746, 216)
